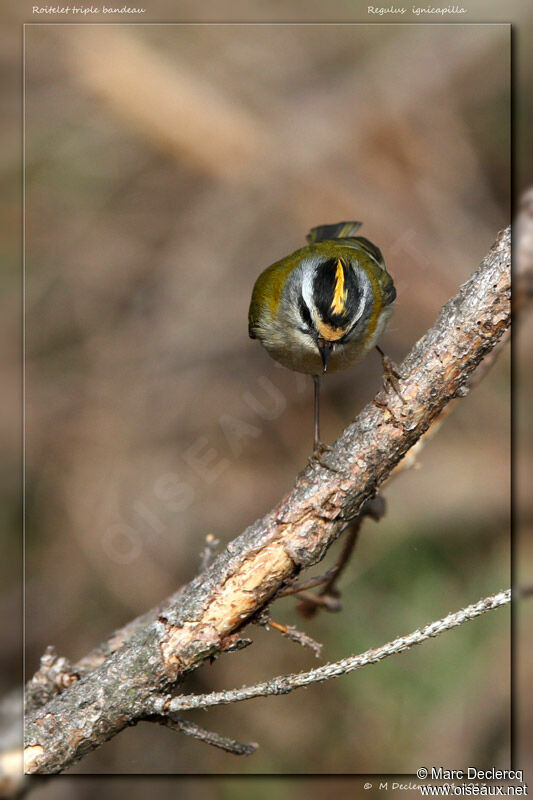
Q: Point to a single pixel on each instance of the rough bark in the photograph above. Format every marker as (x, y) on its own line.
(205, 617)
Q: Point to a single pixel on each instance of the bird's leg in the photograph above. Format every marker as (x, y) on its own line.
(391, 376)
(316, 442)
(318, 447)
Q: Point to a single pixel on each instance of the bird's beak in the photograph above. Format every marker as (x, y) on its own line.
(324, 348)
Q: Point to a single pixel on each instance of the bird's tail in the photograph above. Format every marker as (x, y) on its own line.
(339, 230)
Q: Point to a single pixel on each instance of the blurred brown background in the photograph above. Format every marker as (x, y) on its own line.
(165, 167)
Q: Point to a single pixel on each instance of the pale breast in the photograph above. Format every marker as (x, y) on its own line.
(303, 356)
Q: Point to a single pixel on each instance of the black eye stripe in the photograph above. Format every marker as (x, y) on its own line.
(305, 313)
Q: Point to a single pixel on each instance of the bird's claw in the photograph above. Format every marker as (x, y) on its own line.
(316, 458)
(391, 376)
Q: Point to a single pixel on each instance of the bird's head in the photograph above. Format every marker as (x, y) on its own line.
(331, 301)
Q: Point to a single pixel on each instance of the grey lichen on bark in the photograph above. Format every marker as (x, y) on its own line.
(199, 620)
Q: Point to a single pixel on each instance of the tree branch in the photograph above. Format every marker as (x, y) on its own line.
(206, 614)
(287, 683)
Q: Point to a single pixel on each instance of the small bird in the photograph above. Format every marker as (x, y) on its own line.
(324, 306)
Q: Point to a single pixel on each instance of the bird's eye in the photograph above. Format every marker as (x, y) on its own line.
(305, 315)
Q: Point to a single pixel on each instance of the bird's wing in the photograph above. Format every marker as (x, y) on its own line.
(266, 294)
(369, 248)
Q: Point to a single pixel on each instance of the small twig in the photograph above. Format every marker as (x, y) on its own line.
(329, 594)
(349, 545)
(292, 633)
(203, 735)
(234, 642)
(300, 586)
(287, 683)
(297, 636)
(207, 554)
(55, 673)
(308, 608)
(327, 601)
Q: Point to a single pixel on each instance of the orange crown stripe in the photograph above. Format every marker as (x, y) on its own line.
(338, 304)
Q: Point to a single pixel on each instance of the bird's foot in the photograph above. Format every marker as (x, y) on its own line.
(391, 376)
(316, 458)
(319, 449)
